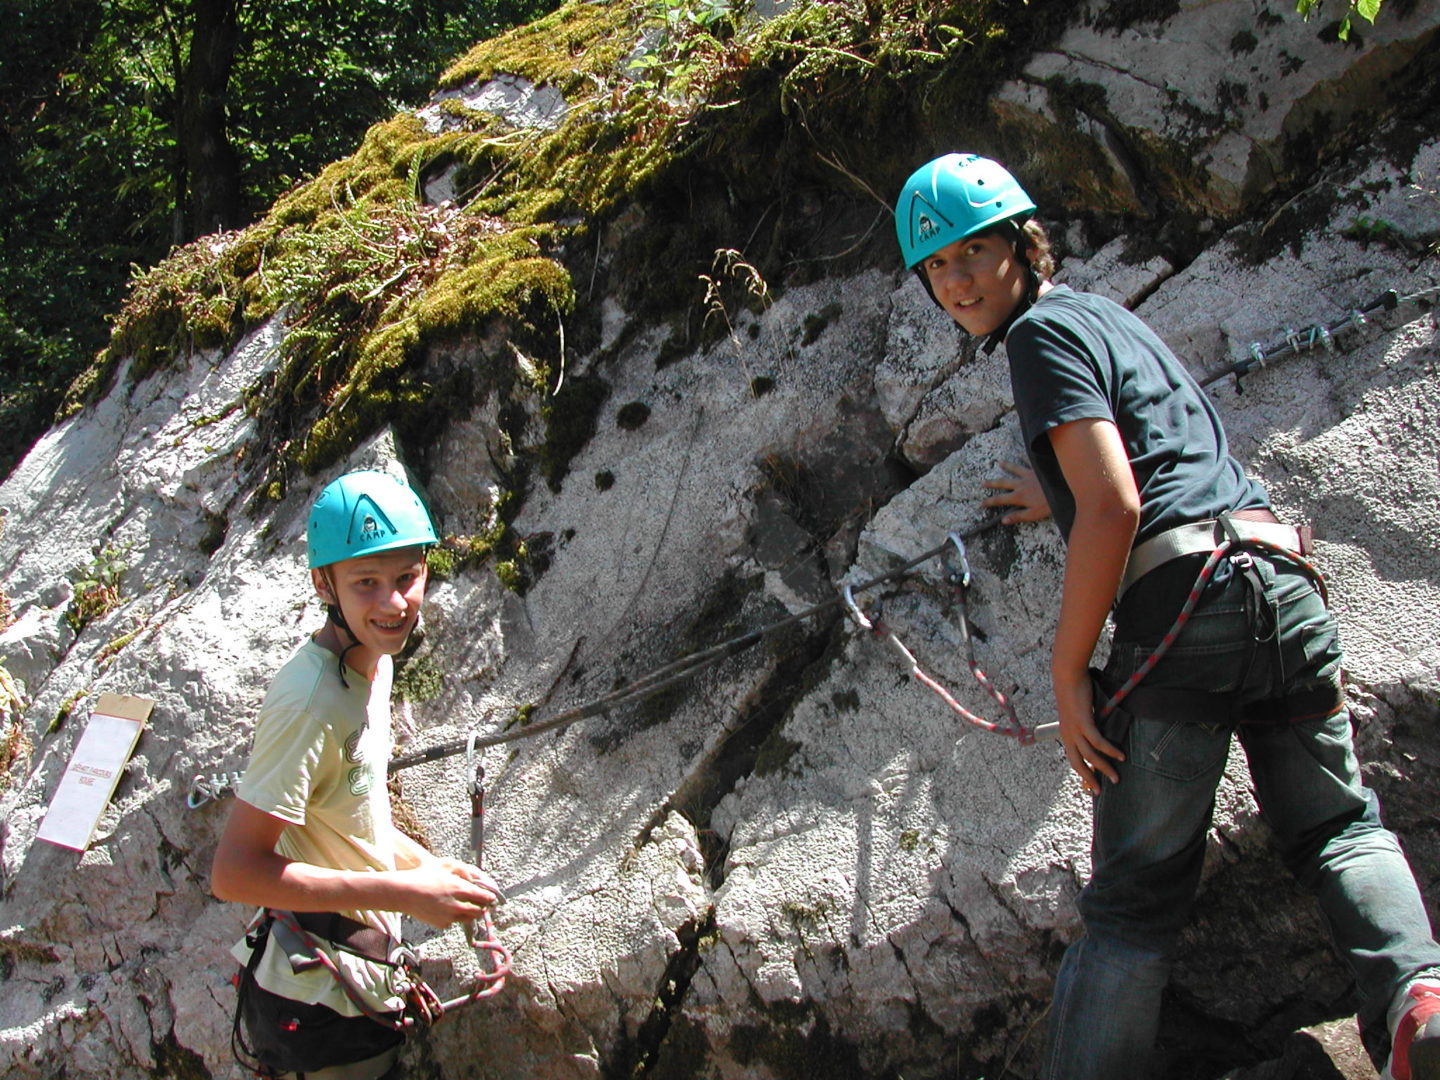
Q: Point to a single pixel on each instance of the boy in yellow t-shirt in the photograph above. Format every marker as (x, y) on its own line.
(310, 831)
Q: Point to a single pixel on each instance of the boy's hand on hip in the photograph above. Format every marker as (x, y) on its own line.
(1086, 749)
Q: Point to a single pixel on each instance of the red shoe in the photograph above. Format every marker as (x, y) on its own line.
(1415, 1050)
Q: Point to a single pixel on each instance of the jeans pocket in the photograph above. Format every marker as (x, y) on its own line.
(1178, 749)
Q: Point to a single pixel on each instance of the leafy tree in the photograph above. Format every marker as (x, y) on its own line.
(129, 126)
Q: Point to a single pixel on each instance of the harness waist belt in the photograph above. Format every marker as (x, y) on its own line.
(353, 936)
(1201, 536)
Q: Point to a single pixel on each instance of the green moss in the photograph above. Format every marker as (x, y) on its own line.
(557, 50)
(419, 679)
(63, 714)
(441, 563)
(808, 916)
(512, 574)
(114, 646)
(521, 716)
(370, 278)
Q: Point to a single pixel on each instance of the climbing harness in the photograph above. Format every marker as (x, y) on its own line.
(1198, 536)
(1231, 537)
(957, 574)
(310, 940)
(423, 1006)
(1294, 342)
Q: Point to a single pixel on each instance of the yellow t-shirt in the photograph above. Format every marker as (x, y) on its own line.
(319, 764)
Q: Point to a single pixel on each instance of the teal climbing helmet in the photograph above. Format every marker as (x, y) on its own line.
(363, 513)
(953, 197)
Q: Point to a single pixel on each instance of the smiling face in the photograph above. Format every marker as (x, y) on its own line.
(380, 596)
(978, 280)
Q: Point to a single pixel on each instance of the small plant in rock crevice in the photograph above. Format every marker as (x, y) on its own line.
(732, 278)
(97, 589)
(1366, 9)
(14, 746)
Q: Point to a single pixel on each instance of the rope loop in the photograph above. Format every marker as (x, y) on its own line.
(958, 576)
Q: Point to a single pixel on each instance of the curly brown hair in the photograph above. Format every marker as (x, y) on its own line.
(1038, 252)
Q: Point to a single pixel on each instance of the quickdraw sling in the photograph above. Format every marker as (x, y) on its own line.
(957, 575)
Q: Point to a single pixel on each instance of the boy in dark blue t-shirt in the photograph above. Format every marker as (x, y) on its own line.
(1158, 518)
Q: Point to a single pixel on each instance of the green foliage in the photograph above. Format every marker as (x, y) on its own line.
(1366, 9)
(67, 707)
(99, 177)
(441, 563)
(419, 679)
(97, 588)
(1376, 230)
(1366, 228)
(689, 41)
(370, 277)
(455, 553)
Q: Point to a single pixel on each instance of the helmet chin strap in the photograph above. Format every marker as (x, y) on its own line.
(1032, 293)
(337, 616)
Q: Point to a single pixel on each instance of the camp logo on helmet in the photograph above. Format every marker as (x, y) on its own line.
(925, 228)
(375, 524)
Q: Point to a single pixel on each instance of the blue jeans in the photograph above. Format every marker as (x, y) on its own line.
(1260, 644)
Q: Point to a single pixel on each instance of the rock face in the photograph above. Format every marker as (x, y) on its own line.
(798, 862)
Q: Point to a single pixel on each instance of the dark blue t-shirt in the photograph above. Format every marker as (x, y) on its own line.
(1079, 356)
